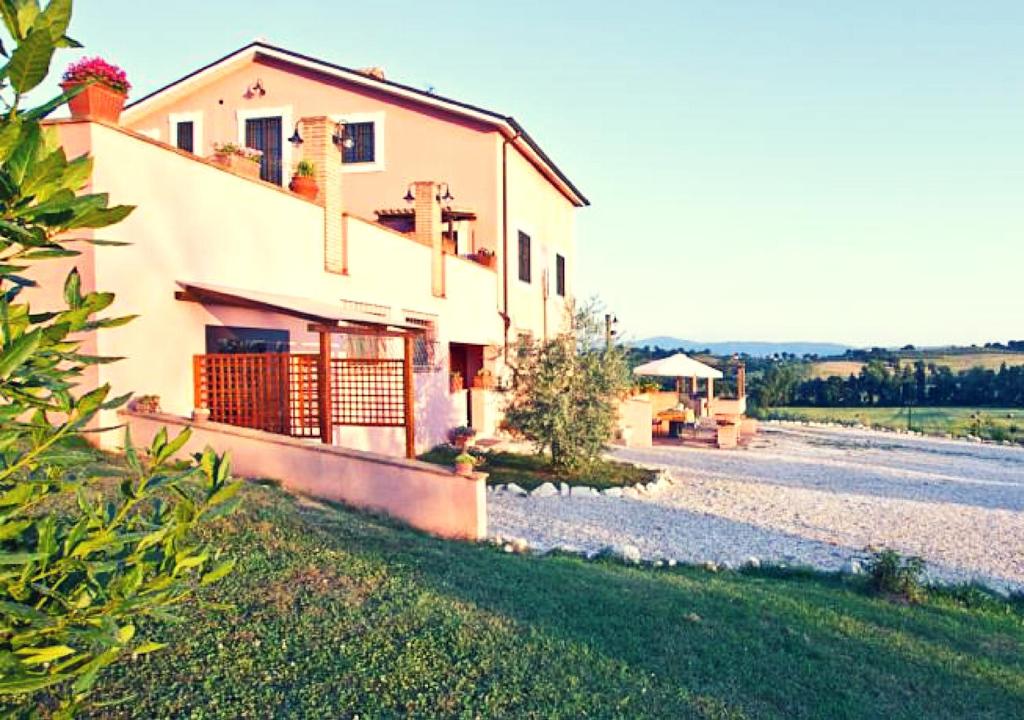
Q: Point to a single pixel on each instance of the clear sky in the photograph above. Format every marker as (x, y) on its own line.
(808, 170)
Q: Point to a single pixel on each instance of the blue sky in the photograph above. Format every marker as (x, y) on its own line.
(850, 172)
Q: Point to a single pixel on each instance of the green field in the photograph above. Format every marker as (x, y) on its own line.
(338, 615)
(988, 423)
(955, 361)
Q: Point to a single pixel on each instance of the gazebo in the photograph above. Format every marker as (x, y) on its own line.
(681, 366)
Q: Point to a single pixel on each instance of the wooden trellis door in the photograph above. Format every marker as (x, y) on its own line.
(367, 392)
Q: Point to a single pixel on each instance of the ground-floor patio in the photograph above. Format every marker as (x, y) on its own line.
(803, 496)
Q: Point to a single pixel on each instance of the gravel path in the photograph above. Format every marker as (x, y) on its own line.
(801, 495)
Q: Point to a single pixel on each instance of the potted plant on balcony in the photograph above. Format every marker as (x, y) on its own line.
(238, 159)
(304, 180)
(464, 464)
(102, 89)
(486, 257)
(461, 436)
(456, 381)
(484, 380)
(146, 404)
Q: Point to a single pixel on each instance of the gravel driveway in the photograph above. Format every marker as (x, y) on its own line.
(802, 495)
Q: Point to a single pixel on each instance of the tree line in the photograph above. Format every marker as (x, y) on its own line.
(880, 384)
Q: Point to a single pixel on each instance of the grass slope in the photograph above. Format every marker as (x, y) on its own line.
(338, 614)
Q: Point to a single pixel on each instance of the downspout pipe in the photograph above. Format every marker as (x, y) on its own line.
(504, 313)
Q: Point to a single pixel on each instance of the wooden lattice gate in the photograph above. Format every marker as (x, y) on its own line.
(291, 394)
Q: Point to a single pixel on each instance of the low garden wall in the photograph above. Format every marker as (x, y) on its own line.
(426, 496)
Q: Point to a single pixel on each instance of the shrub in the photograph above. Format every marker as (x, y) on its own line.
(894, 574)
(81, 561)
(565, 391)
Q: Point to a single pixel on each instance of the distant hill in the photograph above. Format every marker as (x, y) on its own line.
(752, 347)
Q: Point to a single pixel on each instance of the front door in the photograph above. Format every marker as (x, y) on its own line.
(265, 134)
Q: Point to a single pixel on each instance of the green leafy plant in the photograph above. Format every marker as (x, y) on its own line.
(565, 391)
(894, 574)
(230, 148)
(305, 168)
(86, 548)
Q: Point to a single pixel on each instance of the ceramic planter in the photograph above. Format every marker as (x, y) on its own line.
(304, 187)
(96, 102)
(464, 469)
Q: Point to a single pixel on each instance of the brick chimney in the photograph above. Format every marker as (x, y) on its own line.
(741, 381)
(428, 230)
(319, 148)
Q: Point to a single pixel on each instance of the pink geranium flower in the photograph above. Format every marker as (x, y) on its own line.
(99, 70)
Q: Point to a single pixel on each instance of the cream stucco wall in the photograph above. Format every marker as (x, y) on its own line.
(416, 142)
(196, 222)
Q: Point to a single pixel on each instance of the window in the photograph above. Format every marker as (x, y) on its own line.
(227, 339)
(560, 275)
(363, 150)
(265, 134)
(524, 256)
(424, 348)
(185, 131)
(186, 136)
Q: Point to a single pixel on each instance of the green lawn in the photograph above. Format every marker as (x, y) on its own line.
(529, 471)
(991, 423)
(339, 614)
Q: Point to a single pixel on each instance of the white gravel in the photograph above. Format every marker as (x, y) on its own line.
(807, 496)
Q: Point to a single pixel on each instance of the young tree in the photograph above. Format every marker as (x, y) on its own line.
(81, 559)
(565, 391)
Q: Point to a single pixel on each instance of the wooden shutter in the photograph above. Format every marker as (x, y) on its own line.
(265, 134)
(524, 257)
(186, 136)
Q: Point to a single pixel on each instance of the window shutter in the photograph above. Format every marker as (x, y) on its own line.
(186, 136)
(524, 257)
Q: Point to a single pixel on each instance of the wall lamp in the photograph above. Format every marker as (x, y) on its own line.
(255, 90)
(341, 138)
(296, 139)
(446, 197)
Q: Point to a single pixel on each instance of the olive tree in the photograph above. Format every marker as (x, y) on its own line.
(565, 391)
(86, 549)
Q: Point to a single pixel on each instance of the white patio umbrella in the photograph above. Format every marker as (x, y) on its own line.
(679, 365)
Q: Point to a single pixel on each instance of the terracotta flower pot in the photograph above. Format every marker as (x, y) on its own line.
(304, 186)
(96, 102)
(489, 260)
(238, 164)
(464, 469)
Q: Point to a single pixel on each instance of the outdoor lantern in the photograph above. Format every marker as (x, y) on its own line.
(447, 197)
(409, 197)
(341, 136)
(295, 139)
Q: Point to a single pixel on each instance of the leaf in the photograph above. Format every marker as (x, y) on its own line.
(125, 634)
(21, 686)
(55, 18)
(30, 61)
(73, 289)
(218, 572)
(148, 647)
(38, 656)
(18, 352)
